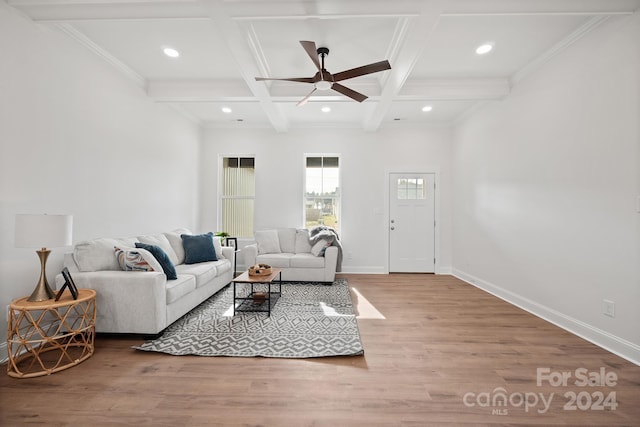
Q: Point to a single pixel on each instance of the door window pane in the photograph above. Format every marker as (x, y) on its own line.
(411, 189)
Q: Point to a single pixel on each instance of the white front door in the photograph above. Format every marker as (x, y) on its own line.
(412, 223)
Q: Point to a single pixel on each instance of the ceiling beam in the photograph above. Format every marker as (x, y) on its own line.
(239, 49)
(212, 90)
(411, 46)
(540, 7)
(92, 10)
(459, 89)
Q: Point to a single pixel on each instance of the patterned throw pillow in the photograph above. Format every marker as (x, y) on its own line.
(131, 260)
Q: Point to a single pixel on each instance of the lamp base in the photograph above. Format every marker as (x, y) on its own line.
(43, 291)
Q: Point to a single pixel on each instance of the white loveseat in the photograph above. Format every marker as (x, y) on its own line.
(290, 249)
(145, 302)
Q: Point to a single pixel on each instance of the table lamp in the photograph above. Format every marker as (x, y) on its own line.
(42, 231)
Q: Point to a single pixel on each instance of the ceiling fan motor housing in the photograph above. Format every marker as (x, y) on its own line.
(323, 51)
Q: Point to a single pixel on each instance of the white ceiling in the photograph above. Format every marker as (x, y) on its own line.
(224, 44)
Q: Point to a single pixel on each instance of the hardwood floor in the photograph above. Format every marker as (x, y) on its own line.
(440, 355)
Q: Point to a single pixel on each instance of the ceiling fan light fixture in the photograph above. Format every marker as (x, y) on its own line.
(484, 48)
(171, 52)
(323, 85)
(324, 80)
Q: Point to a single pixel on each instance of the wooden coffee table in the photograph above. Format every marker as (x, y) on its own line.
(257, 300)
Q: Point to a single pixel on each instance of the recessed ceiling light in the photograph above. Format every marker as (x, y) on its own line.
(325, 109)
(226, 110)
(427, 108)
(484, 48)
(171, 52)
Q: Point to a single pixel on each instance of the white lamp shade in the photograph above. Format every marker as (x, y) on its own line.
(42, 231)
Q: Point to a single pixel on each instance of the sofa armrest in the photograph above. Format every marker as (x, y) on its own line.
(330, 262)
(250, 253)
(127, 301)
(229, 253)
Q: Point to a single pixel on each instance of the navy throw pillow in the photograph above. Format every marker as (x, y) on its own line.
(162, 257)
(198, 248)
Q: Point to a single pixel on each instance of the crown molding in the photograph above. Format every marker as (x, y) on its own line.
(102, 53)
(537, 63)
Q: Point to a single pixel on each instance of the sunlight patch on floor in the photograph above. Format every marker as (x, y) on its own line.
(330, 311)
(229, 312)
(364, 308)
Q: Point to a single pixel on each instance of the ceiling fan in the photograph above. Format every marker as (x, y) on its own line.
(324, 80)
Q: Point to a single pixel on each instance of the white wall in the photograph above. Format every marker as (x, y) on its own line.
(78, 138)
(546, 187)
(366, 158)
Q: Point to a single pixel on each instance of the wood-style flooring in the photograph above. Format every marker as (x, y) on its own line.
(437, 352)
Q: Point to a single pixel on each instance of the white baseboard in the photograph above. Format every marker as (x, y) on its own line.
(359, 269)
(445, 270)
(616, 345)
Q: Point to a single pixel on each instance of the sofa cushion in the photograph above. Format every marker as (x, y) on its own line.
(306, 260)
(222, 266)
(180, 287)
(303, 245)
(161, 241)
(136, 259)
(275, 260)
(217, 244)
(98, 255)
(176, 242)
(203, 272)
(162, 257)
(268, 242)
(198, 248)
(319, 247)
(287, 238)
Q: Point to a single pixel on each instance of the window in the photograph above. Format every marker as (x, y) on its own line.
(238, 194)
(322, 192)
(411, 189)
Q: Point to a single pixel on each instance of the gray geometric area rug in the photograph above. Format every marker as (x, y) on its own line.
(309, 320)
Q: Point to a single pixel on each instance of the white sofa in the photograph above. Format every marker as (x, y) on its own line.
(290, 249)
(145, 302)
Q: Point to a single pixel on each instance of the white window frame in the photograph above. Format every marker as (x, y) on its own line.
(222, 197)
(304, 186)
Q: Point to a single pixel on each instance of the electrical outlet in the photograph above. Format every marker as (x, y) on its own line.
(609, 308)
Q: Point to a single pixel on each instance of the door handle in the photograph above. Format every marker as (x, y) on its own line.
(393, 228)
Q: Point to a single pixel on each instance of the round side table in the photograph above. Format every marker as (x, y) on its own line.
(48, 336)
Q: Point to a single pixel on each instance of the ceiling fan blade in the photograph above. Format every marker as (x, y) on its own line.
(292, 79)
(357, 96)
(310, 47)
(361, 71)
(304, 100)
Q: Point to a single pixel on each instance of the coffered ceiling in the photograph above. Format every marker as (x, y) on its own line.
(225, 44)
